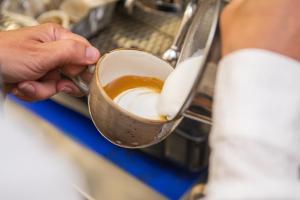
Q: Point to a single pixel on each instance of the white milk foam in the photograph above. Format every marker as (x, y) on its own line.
(140, 101)
(149, 104)
(178, 86)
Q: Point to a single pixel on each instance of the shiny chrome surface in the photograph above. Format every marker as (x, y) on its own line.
(197, 117)
(174, 6)
(7, 24)
(145, 29)
(203, 35)
(27, 12)
(97, 19)
(81, 84)
(172, 54)
(31, 8)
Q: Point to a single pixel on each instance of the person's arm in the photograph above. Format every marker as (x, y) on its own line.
(256, 134)
(31, 60)
(255, 138)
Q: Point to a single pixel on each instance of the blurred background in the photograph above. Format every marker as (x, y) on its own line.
(173, 169)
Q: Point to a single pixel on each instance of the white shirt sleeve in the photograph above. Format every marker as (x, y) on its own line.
(255, 138)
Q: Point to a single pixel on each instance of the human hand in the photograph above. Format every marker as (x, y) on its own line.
(30, 60)
(271, 25)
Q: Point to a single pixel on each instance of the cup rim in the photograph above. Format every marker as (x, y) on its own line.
(110, 101)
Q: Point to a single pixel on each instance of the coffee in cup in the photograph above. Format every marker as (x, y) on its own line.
(136, 94)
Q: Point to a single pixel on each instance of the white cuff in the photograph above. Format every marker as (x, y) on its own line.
(255, 139)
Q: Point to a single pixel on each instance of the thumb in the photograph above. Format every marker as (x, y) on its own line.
(69, 52)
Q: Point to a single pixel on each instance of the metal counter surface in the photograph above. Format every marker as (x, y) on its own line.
(167, 179)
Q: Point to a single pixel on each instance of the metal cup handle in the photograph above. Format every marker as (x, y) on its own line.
(80, 83)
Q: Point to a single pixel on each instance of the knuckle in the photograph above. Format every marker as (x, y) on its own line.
(55, 30)
(52, 26)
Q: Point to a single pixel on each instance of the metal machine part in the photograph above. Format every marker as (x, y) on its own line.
(187, 146)
(172, 54)
(173, 6)
(170, 5)
(7, 24)
(97, 19)
(25, 13)
(30, 8)
(203, 35)
(144, 29)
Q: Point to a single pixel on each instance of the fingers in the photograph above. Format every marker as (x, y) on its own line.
(34, 90)
(62, 48)
(69, 52)
(45, 88)
(67, 35)
(77, 54)
(38, 90)
(55, 48)
(49, 32)
(67, 86)
(73, 70)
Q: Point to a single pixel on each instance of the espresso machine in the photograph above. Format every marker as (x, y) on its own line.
(162, 5)
(173, 30)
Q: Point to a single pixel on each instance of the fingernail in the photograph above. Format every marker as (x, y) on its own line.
(27, 89)
(92, 54)
(66, 90)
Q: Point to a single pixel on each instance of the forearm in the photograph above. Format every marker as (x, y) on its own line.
(256, 134)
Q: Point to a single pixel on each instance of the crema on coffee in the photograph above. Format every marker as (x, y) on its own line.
(136, 94)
